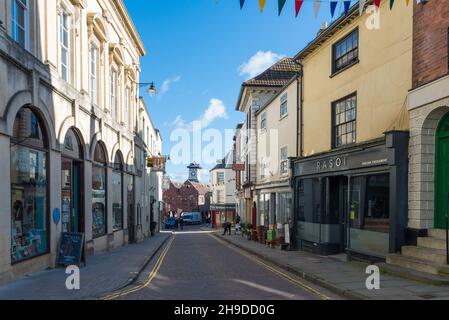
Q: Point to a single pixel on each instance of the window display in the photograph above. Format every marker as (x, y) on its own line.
(117, 194)
(29, 231)
(99, 191)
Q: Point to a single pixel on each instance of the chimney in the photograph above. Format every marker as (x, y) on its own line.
(323, 28)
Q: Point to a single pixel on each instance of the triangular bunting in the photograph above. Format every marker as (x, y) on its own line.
(242, 2)
(361, 6)
(407, 2)
(261, 5)
(333, 7)
(391, 4)
(316, 7)
(377, 3)
(298, 4)
(347, 5)
(281, 4)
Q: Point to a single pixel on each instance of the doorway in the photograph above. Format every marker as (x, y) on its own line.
(130, 210)
(72, 214)
(441, 172)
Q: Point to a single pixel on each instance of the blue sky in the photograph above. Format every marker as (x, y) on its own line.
(200, 51)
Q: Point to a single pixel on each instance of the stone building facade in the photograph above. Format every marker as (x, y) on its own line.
(69, 97)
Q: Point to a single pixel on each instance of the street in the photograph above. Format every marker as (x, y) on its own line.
(195, 265)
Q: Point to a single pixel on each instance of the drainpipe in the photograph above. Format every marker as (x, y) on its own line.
(299, 112)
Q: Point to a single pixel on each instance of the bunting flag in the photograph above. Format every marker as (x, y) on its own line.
(333, 7)
(261, 5)
(407, 2)
(281, 4)
(347, 5)
(298, 4)
(316, 7)
(377, 3)
(242, 2)
(391, 4)
(361, 6)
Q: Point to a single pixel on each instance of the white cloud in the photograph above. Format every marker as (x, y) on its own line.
(167, 83)
(215, 110)
(258, 63)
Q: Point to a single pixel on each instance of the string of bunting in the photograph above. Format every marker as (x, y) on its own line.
(317, 5)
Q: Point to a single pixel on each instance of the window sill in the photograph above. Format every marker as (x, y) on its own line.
(283, 117)
(336, 73)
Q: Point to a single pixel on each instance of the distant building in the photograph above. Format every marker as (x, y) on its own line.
(223, 203)
(190, 196)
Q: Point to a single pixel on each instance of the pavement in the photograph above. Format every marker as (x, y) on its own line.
(335, 273)
(104, 272)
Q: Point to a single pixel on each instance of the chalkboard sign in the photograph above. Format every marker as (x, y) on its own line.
(71, 249)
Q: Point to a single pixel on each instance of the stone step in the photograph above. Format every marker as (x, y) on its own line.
(427, 278)
(428, 254)
(413, 263)
(437, 234)
(433, 243)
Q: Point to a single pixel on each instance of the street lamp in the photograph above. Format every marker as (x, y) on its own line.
(152, 91)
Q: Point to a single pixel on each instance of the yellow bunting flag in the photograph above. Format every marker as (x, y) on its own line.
(407, 2)
(262, 5)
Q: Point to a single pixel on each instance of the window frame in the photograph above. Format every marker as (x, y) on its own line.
(63, 47)
(334, 142)
(284, 103)
(354, 60)
(283, 162)
(113, 94)
(263, 120)
(15, 23)
(93, 73)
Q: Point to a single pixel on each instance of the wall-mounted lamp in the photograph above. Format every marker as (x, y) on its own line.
(152, 91)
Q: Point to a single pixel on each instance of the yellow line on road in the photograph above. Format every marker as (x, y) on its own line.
(275, 271)
(148, 281)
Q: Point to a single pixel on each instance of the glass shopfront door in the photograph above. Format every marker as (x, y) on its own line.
(71, 208)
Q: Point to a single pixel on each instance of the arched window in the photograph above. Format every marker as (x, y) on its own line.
(99, 192)
(29, 187)
(117, 193)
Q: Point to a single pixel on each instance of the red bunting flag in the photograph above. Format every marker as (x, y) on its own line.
(377, 3)
(298, 4)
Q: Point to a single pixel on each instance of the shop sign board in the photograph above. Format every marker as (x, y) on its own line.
(71, 249)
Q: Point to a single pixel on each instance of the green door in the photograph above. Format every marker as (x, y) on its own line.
(442, 172)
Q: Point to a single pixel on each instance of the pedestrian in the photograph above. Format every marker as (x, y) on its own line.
(181, 223)
(227, 228)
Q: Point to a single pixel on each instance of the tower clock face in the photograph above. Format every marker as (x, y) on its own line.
(193, 174)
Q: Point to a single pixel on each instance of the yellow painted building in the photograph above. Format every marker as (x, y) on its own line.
(350, 184)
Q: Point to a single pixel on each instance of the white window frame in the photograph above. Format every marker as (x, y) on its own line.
(284, 105)
(127, 104)
(93, 74)
(64, 28)
(284, 162)
(263, 121)
(15, 22)
(113, 93)
(220, 181)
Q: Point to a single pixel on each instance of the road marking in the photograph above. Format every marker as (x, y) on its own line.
(275, 271)
(148, 281)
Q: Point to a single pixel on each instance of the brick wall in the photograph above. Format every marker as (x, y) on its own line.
(430, 41)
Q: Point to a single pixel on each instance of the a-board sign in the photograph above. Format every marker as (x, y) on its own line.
(71, 249)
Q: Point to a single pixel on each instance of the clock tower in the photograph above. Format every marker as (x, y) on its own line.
(193, 171)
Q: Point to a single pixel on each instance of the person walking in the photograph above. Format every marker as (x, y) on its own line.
(181, 223)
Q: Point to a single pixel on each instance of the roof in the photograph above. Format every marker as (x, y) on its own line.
(327, 33)
(201, 188)
(276, 76)
(225, 163)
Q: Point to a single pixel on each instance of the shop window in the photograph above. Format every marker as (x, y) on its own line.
(370, 203)
(117, 194)
(344, 121)
(285, 207)
(29, 188)
(346, 51)
(284, 161)
(99, 192)
(300, 201)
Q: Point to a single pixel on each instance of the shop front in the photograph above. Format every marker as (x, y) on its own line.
(222, 213)
(353, 200)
